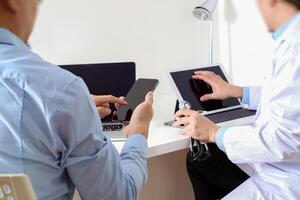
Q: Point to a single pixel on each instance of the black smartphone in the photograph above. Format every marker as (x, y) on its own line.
(135, 96)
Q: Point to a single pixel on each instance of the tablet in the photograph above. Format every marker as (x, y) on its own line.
(190, 90)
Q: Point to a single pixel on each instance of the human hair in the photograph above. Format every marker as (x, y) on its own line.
(295, 3)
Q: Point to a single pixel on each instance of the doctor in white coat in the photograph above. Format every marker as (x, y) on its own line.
(271, 146)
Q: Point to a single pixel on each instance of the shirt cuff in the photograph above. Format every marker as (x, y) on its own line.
(136, 142)
(246, 95)
(220, 137)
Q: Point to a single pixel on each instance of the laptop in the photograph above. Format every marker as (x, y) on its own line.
(103, 79)
(189, 91)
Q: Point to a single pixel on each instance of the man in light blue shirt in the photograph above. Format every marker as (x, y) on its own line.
(50, 128)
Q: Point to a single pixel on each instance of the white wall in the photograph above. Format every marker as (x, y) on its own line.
(157, 35)
(245, 45)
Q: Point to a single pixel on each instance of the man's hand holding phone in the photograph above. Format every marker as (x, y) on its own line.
(141, 118)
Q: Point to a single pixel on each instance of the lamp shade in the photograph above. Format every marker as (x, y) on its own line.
(205, 10)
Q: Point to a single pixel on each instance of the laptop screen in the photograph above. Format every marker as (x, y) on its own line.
(106, 78)
(191, 90)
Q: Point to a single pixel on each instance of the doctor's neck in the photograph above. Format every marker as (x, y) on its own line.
(281, 14)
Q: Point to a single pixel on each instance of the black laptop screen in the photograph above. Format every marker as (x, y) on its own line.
(192, 90)
(105, 78)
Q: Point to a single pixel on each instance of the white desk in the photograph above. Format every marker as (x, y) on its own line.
(163, 139)
(167, 151)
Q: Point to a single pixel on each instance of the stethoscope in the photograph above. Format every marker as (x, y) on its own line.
(198, 151)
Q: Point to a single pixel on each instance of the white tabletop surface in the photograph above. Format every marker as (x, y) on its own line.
(163, 139)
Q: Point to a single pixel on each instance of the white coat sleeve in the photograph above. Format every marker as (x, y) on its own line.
(276, 138)
(273, 143)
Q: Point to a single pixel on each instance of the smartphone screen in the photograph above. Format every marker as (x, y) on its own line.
(135, 96)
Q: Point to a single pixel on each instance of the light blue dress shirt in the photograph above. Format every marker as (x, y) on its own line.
(51, 131)
(282, 29)
(246, 92)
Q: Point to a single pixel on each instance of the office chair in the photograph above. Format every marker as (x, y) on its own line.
(16, 187)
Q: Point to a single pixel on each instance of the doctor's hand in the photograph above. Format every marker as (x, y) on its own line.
(221, 89)
(102, 103)
(141, 118)
(196, 125)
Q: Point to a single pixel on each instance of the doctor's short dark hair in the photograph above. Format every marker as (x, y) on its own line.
(295, 3)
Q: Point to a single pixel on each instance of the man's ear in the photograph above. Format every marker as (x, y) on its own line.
(12, 5)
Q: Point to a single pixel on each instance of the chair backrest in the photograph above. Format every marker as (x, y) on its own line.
(16, 187)
(106, 78)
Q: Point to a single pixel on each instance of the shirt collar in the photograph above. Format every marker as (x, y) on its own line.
(279, 32)
(7, 37)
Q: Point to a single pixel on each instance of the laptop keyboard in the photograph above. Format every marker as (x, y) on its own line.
(230, 115)
(111, 126)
